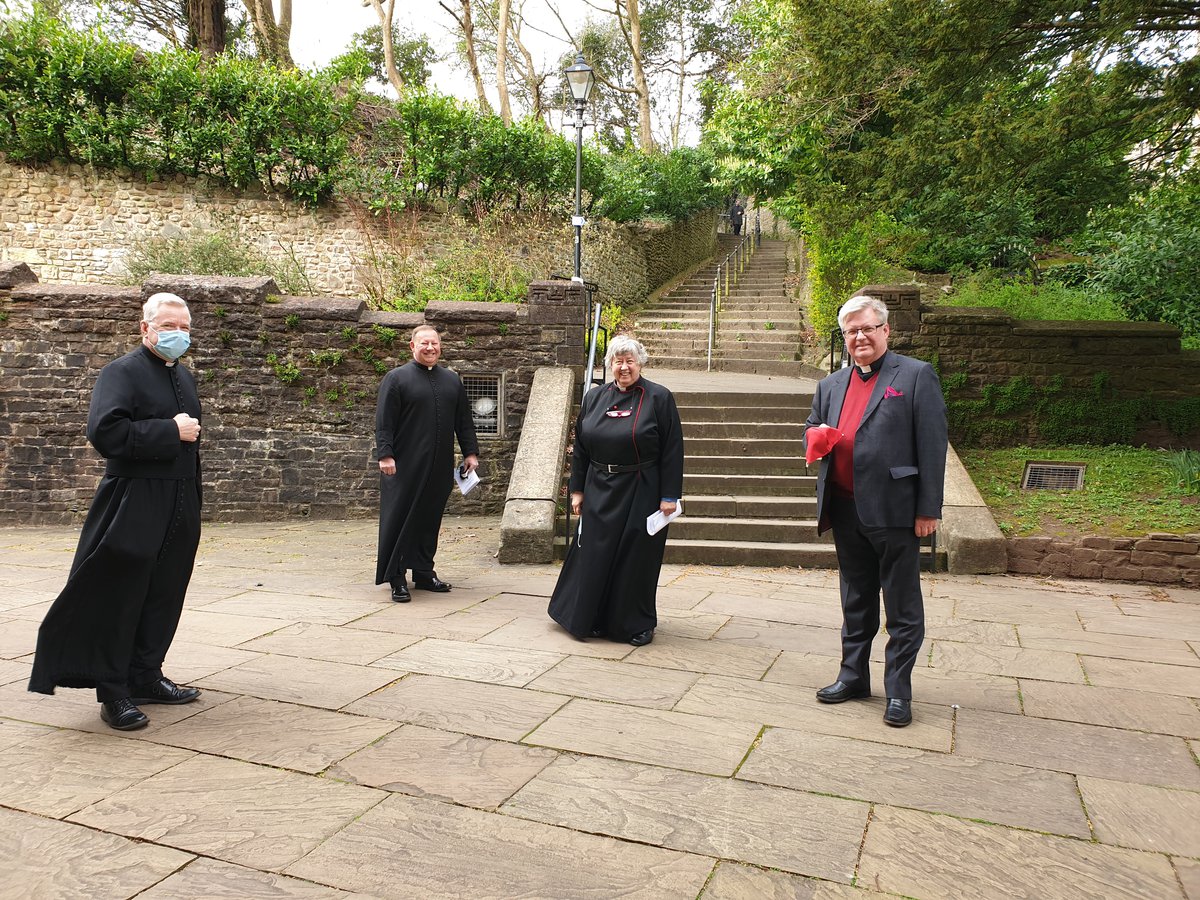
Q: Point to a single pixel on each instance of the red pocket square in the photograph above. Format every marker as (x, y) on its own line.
(818, 442)
(892, 392)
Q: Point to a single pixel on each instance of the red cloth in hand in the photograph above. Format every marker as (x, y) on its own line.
(818, 442)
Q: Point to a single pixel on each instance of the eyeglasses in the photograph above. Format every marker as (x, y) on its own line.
(865, 331)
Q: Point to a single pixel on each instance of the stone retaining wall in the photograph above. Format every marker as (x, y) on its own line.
(73, 224)
(288, 386)
(1156, 558)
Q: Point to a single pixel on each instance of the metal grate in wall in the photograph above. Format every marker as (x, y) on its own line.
(1043, 476)
(484, 394)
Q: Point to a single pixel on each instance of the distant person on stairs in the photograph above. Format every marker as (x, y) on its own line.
(880, 488)
(737, 213)
(627, 463)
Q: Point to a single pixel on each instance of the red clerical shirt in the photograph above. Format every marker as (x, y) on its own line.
(841, 466)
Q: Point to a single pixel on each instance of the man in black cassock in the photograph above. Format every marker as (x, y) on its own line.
(422, 408)
(113, 623)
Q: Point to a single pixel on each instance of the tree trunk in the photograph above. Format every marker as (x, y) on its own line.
(271, 37)
(385, 13)
(468, 30)
(502, 61)
(645, 134)
(206, 26)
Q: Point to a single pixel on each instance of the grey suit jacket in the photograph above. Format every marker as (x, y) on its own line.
(900, 446)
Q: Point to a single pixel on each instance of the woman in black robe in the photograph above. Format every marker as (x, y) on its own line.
(627, 464)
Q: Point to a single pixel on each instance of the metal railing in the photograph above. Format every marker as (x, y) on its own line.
(726, 277)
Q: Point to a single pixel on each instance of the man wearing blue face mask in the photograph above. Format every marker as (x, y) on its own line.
(113, 623)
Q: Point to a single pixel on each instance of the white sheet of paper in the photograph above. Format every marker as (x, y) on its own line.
(657, 521)
(465, 482)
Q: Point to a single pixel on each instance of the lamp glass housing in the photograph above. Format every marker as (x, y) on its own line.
(581, 79)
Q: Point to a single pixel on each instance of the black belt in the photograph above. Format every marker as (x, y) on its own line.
(613, 469)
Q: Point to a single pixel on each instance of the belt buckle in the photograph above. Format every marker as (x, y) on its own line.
(611, 468)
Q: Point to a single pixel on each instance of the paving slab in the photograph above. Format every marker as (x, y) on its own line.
(276, 734)
(13, 733)
(1158, 819)
(1156, 678)
(409, 847)
(78, 710)
(942, 687)
(48, 860)
(1172, 628)
(1114, 707)
(1015, 662)
(18, 637)
(782, 636)
(210, 879)
(759, 824)
(543, 633)
(444, 765)
(691, 655)
(1079, 749)
(87, 768)
(600, 679)
(733, 881)
(941, 858)
(1116, 646)
(472, 661)
(310, 682)
(694, 743)
(293, 607)
(822, 613)
(784, 705)
(350, 645)
(486, 710)
(12, 670)
(205, 626)
(246, 814)
(921, 779)
(1189, 876)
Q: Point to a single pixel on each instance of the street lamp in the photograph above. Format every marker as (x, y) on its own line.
(582, 79)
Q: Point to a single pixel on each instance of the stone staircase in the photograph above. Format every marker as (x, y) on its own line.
(758, 327)
(748, 497)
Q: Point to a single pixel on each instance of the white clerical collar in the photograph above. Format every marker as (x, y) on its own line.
(866, 370)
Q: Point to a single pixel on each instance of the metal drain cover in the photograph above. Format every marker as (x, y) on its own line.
(1045, 476)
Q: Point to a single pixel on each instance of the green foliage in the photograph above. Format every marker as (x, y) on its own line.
(1148, 255)
(1186, 465)
(285, 368)
(413, 56)
(225, 251)
(841, 260)
(1024, 299)
(1126, 491)
(83, 97)
(386, 336)
(291, 320)
(327, 358)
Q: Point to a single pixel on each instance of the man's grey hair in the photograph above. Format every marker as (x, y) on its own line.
(857, 304)
(622, 344)
(157, 301)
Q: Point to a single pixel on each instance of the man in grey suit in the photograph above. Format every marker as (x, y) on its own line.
(880, 489)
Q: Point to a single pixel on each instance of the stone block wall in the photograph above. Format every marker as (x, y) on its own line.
(73, 224)
(1157, 558)
(288, 387)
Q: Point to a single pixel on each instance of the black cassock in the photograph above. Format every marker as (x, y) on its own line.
(420, 412)
(113, 623)
(609, 579)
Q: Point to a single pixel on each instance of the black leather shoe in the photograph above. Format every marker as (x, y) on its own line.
(642, 638)
(432, 583)
(898, 713)
(400, 593)
(123, 715)
(840, 692)
(164, 691)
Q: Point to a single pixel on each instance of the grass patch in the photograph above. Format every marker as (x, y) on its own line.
(1128, 492)
(1048, 301)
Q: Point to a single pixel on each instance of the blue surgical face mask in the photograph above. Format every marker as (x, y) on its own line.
(172, 344)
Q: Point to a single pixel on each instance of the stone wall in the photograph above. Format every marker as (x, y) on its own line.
(288, 387)
(73, 224)
(1156, 558)
(989, 347)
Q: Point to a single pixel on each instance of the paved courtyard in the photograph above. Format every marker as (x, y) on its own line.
(462, 746)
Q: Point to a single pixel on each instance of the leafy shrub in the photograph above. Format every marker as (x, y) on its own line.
(841, 262)
(1023, 299)
(220, 252)
(1186, 466)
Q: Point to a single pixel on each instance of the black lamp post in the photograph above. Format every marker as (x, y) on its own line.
(582, 79)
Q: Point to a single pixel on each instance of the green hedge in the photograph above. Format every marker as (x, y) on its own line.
(83, 97)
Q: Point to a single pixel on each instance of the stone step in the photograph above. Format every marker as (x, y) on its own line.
(757, 485)
(750, 553)
(722, 401)
(774, 431)
(699, 444)
(745, 465)
(774, 531)
(739, 507)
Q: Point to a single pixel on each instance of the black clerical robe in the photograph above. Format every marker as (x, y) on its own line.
(609, 580)
(113, 623)
(420, 412)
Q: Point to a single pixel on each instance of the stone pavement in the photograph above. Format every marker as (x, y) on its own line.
(462, 746)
